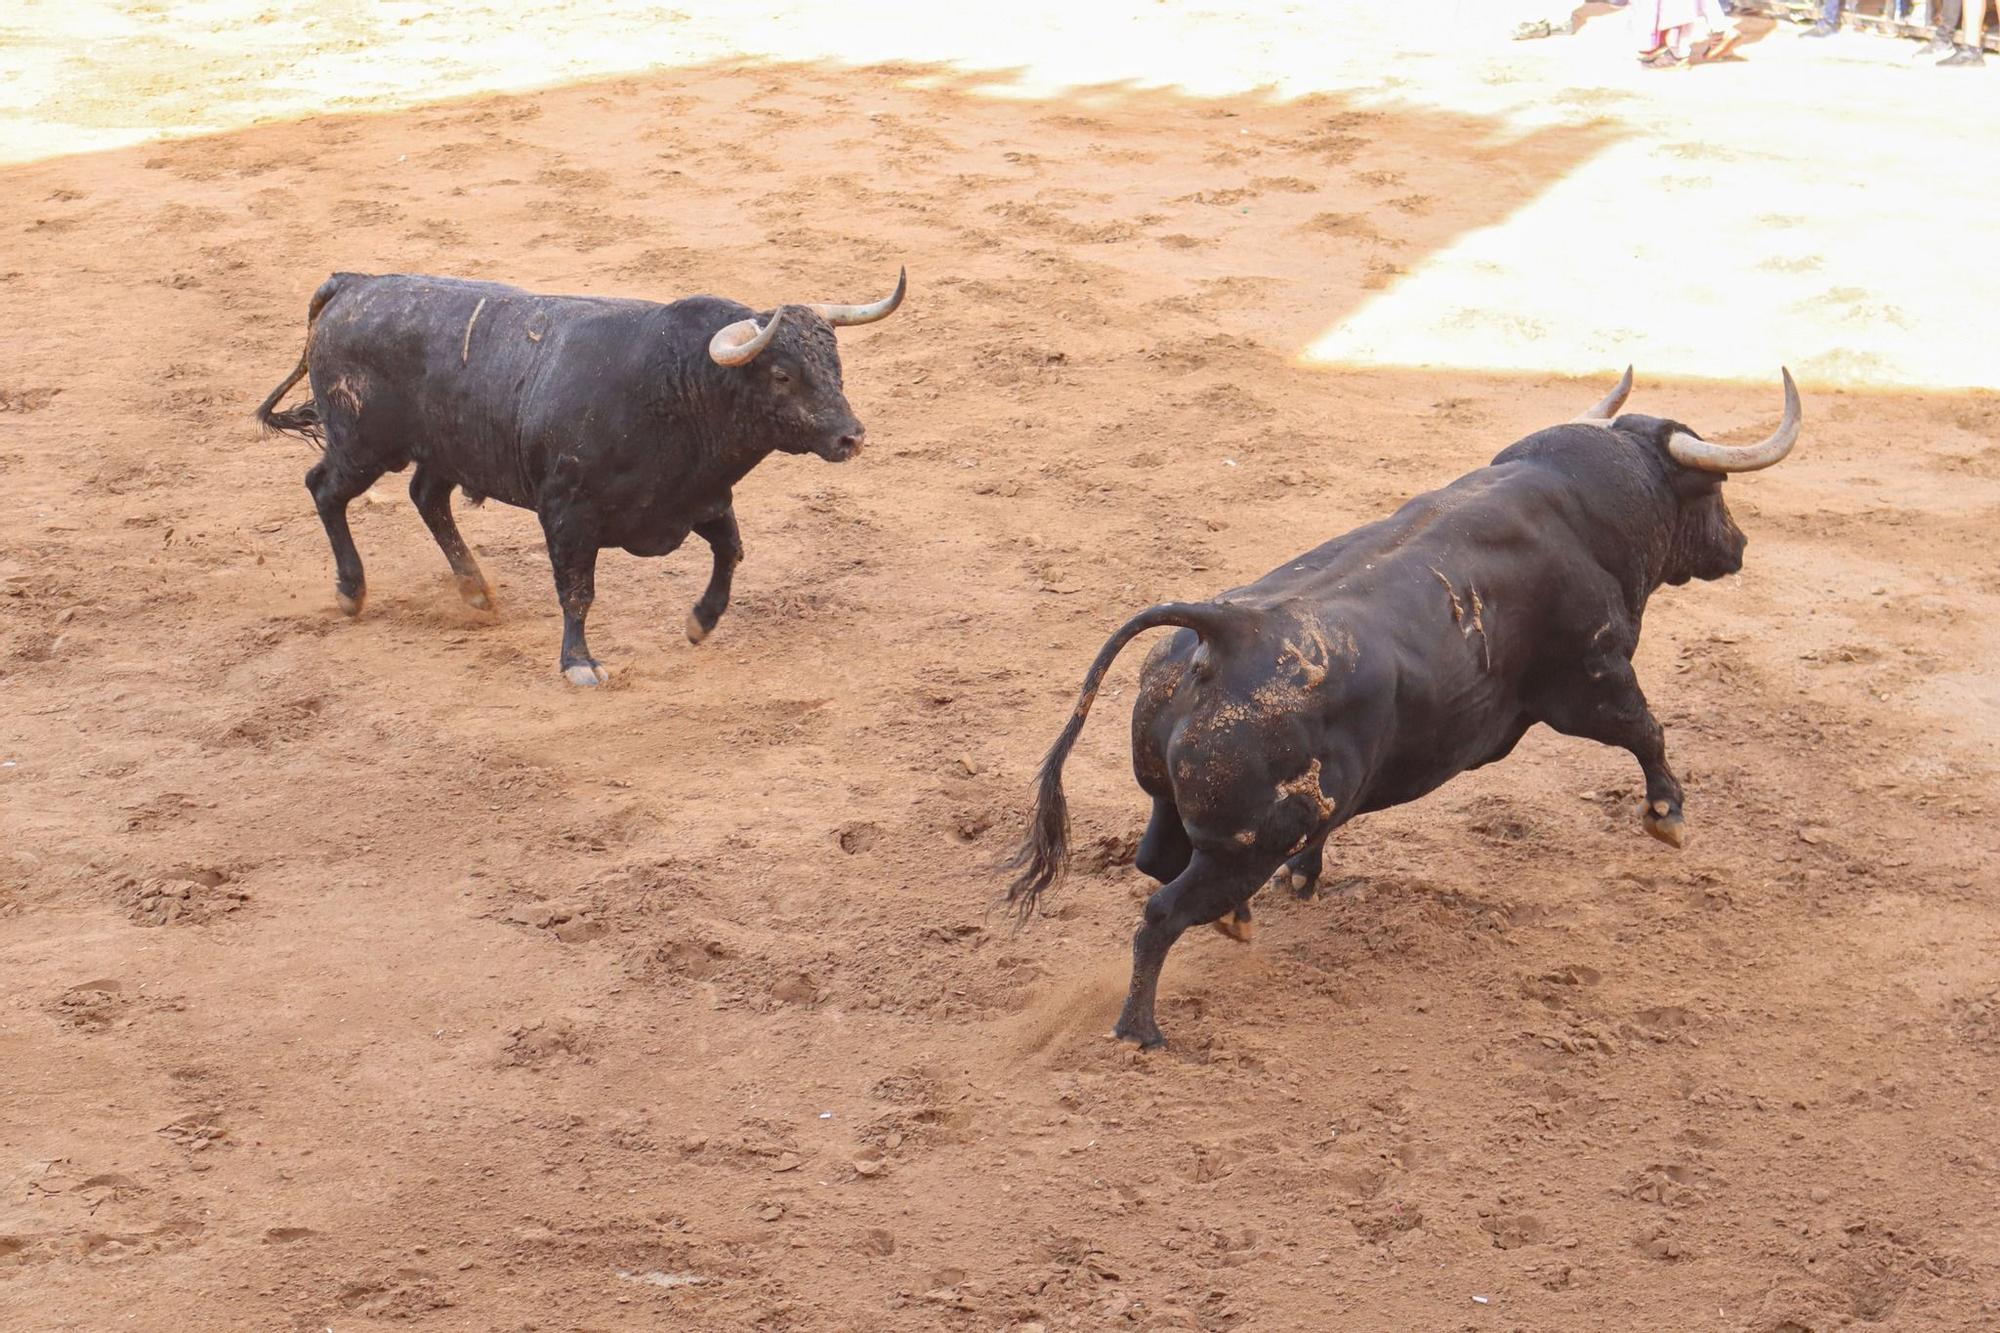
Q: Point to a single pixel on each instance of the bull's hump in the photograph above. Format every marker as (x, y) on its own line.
(1485, 505)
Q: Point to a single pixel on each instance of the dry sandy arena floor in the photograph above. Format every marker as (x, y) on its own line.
(362, 975)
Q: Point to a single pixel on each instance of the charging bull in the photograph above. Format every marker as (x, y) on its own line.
(619, 422)
(1375, 668)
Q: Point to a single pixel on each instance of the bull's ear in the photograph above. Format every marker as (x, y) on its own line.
(1690, 485)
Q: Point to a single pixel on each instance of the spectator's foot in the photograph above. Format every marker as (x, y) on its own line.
(1821, 30)
(1524, 32)
(1964, 55)
(1937, 46)
(1719, 46)
(1649, 53)
(1664, 58)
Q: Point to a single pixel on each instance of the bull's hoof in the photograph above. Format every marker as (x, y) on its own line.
(1295, 882)
(350, 604)
(585, 673)
(475, 593)
(1243, 932)
(1665, 823)
(1147, 1037)
(696, 631)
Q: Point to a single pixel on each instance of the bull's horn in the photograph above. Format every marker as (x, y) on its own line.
(842, 315)
(738, 344)
(1607, 406)
(1706, 457)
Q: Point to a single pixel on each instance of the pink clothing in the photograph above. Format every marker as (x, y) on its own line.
(1657, 21)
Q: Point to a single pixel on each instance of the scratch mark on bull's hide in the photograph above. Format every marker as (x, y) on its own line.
(465, 348)
(1312, 665)
(1306, 784)
(1468, 626)
(1478, 624)
(1593, 669)
(346, 392)
(1457, 610)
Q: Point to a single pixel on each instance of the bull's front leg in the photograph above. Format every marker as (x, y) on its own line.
(1301, 873)
(727, 544)
(1604, 703)
(573, 549)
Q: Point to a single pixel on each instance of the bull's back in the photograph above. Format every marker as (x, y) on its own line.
(1446, 606)
(449, 372)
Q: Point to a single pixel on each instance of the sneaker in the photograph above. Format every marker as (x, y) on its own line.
(1938, 45)
(1527, 32)
(1964, 55)
(1821, 30)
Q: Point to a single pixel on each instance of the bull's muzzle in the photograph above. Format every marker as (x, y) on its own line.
(843, 446)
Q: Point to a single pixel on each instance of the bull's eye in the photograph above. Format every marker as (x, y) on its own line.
(780, 376)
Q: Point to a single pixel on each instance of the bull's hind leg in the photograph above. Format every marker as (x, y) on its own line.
(1606, 704)
(727, 544)
(1164, 848)
(1206, 891)
(431, 494)
(573, 557)
(333, 483)
(1164, 852)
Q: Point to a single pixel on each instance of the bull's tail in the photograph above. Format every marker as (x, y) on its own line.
(303, 420)
(1044, 853)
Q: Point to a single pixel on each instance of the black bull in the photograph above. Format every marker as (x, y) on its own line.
(1375, 668)
(620, 423)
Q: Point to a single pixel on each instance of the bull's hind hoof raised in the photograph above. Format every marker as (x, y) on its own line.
(1666, 824)
(696, 631)
(585, 673)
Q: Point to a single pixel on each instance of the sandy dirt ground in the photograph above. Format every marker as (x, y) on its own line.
(363, 974)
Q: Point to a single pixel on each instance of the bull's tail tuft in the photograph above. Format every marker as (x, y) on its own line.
(303, 420)
(1044, 853)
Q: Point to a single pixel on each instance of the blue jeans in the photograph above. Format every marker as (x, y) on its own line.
(1829, 11)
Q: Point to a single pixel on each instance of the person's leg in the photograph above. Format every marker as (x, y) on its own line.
(1646, 27)
(1944, 20)
(1829, 20)
(1971, 35)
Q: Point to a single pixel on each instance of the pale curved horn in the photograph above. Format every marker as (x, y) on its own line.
(1607, 406)
(842, 315)
(738, 344)
(1706, 457)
